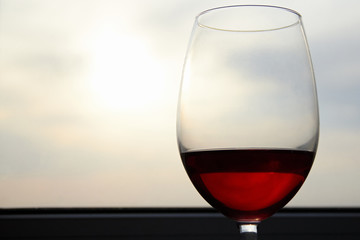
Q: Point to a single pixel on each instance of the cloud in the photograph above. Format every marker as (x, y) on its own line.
(56, 138)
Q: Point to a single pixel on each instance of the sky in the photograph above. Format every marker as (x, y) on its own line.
(88, 97)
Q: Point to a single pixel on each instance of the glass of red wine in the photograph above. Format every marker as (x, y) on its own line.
(248, 122)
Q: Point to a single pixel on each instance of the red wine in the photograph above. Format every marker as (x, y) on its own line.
(248, 185)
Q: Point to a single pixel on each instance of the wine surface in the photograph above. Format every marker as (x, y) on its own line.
(248, 185)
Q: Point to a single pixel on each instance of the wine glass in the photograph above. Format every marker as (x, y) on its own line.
(248, 121)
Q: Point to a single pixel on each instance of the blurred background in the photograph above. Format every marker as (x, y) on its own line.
(88, 96)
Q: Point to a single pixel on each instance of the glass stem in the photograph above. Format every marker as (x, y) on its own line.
(248, 231)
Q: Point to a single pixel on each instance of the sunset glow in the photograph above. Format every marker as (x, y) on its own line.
(123, 72)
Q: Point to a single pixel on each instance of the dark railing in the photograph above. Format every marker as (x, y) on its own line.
(174, 224)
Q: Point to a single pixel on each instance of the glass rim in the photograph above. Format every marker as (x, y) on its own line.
(299, 17)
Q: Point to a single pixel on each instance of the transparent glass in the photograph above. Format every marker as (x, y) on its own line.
(248, 121)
